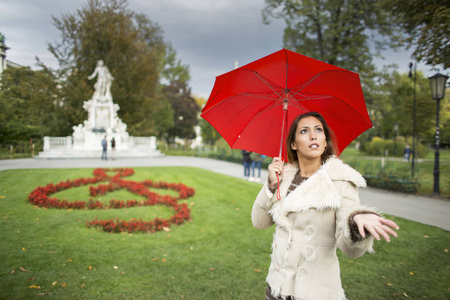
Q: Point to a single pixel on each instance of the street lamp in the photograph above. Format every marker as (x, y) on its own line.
(414, 117)
(438, 84)
(395, 138)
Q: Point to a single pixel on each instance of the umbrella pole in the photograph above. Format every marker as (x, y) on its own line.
(283, 125)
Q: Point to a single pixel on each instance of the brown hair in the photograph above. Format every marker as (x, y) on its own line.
(331, 148)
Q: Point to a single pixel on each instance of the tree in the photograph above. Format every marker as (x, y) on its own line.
(30, 105)
(209, 133)
(335, 31)
(185, 111)
(395, 106)
(428, 27)
(176, 91)
(131, 46)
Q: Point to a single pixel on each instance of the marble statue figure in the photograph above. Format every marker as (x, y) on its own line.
(104, 80)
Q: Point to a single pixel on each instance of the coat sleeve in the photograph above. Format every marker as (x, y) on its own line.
(349, 206)
(261, 217)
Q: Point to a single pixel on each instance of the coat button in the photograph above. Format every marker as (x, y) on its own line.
(301, 273)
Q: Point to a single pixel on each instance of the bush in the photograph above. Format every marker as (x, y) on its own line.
(393, 183)
(378, 146)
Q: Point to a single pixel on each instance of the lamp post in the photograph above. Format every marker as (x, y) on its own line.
(438, 84)
(414, 117)
(395, 138)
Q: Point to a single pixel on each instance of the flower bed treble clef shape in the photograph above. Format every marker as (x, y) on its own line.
(40, 196)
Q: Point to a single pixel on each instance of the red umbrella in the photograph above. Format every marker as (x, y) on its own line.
(253, 106)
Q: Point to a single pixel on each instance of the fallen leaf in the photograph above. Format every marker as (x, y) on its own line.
(34, 287)
(43, 294)
(51, 252)
(18, 231)
(1, 197)
(23, 249)
(13, 271)
(69, 260)
(163, 260)
(63, 284)
(192, 248)
(90, 268)
(404, 294)
(115, 267)
(388, 284)
(83, 285)
(54, 283)
(211, 269)
(411, 273)
(257, 270)
(446, 250)
(426, 236)
(32, 278)
(166, 228)
(62, 274)
(23, 270)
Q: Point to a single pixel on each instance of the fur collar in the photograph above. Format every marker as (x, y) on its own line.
(317, 192)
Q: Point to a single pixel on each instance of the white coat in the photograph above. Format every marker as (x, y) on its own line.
(310, 223)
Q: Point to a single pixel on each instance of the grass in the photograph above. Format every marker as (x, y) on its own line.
(217, 255)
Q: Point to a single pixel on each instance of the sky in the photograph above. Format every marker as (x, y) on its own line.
(209, 36)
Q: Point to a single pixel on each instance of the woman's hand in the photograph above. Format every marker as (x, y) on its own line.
(376, 225)
(276, 167)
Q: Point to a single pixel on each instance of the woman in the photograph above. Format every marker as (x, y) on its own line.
(318, 211)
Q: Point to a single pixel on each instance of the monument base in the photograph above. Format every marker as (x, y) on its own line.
(68, 147)
(70, 153)
(97, 154)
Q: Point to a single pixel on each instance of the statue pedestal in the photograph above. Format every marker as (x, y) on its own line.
(64, 147)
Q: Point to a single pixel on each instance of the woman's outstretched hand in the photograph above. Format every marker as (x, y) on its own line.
(376, 225)
(276, 167)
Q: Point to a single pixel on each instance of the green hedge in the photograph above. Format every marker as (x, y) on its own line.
(378, 146)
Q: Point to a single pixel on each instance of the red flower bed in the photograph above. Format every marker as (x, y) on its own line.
(40, 197)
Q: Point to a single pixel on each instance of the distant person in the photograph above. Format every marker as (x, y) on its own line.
(105, 147)
(256, 163)
(247, 162)
(407, 153)
(113, 148)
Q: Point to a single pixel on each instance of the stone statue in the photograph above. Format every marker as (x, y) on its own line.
(104, 81)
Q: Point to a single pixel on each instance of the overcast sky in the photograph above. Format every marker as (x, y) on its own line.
(208, 35)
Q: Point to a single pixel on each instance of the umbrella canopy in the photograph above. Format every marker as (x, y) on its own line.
(253, 106)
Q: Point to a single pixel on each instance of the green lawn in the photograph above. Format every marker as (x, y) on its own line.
(217, 255)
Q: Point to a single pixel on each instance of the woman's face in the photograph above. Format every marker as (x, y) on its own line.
(310, 140)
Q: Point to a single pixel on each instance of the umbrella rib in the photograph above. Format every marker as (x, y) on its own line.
(254, 95)
(266, 82)
(342, 101)
(305, 84)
